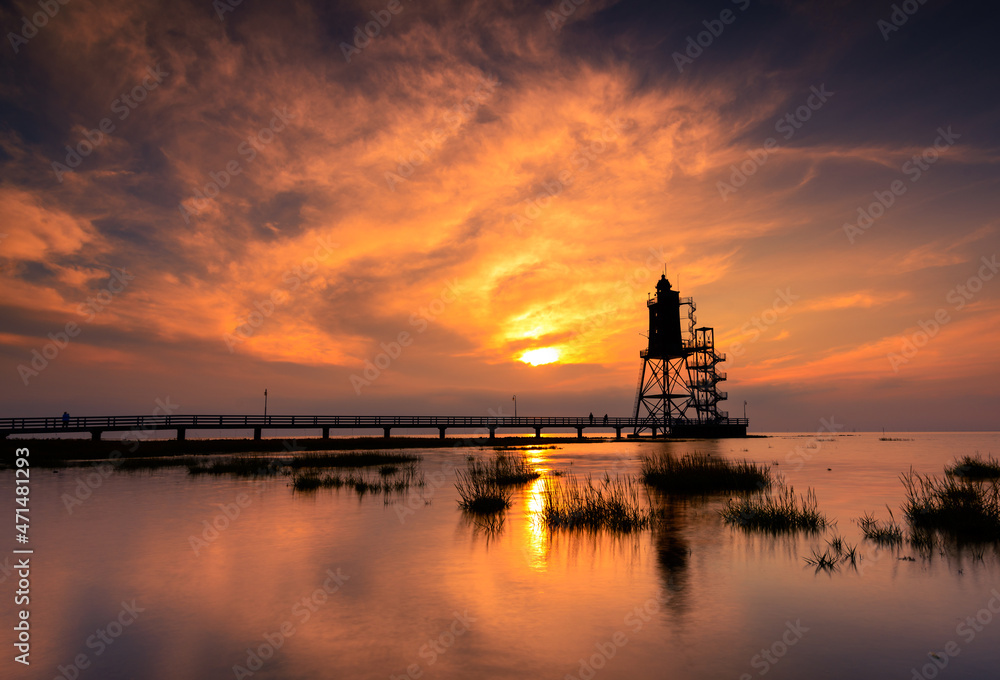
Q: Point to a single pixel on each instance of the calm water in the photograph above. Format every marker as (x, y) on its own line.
(327, 585)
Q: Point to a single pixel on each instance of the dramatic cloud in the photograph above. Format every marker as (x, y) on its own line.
(223, 200)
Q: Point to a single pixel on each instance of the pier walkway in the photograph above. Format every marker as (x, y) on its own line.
(96, 425)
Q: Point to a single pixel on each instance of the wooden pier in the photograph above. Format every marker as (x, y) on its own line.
(97, 425)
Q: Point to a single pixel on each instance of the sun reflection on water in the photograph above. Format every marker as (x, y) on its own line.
(537, 547)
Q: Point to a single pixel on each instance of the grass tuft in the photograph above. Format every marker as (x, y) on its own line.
(838, 552)
(239, 466)
(483, 487)
(777, 513)
(698, 473)
(975, 467)
(883, 533)
(398, 480)
(824, 560)
(480, 494)
(954, 505)
(505, 468)
(612, 504)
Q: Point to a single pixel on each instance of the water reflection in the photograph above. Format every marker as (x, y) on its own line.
(488, 527)
(542, 600)
(673, 550)
(538, 544)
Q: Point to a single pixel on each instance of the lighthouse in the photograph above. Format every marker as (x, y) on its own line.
(678, 391)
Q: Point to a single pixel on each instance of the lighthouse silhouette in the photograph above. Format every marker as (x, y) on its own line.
(678, 392)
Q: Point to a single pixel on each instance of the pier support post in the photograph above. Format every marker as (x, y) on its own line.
(257, 434)
(326, 433)
(579, 433)
(181, 434)
(493, 431)
(618, 433)
(385, 432)
(95, 435)
(538, 432)
(441, 431)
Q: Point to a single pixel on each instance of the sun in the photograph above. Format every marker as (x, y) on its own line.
(537, 357)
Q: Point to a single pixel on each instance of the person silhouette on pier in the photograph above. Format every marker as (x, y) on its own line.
(591, 418)
(605, 418)
(65, 419)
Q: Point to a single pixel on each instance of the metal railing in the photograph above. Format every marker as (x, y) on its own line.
(172, 422)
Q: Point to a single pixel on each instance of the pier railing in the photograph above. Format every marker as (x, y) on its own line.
(98, 424)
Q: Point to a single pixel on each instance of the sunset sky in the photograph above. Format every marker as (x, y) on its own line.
(490, 178)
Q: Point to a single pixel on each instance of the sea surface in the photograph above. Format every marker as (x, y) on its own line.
(165, 575)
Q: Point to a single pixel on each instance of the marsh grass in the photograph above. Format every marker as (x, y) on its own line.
(480, 494)
(505, 468)
(958, 506)
(238, 466)
(313, 482)
(777, 513)
(883, 533)
(264, 466)
(823, 561)
(698, 473)
(975, 467)
(837, 552)
(483, 487)
(525, 447)
(398, 480)
(612, 504)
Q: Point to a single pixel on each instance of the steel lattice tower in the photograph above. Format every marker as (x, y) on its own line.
(678, 384)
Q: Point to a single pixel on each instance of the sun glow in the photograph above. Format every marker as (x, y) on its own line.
(537, 357)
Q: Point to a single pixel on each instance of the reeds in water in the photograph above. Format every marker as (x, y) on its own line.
(838, 551)
(884, 533)
(483, 487)
(481, 494)
(698, 473)
(505, 468)
(975, 467)
(613, 504)
(954, 505)
(396, 481)
(238, 466)
(777, 513)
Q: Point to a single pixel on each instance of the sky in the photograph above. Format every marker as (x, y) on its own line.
(380, 207)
